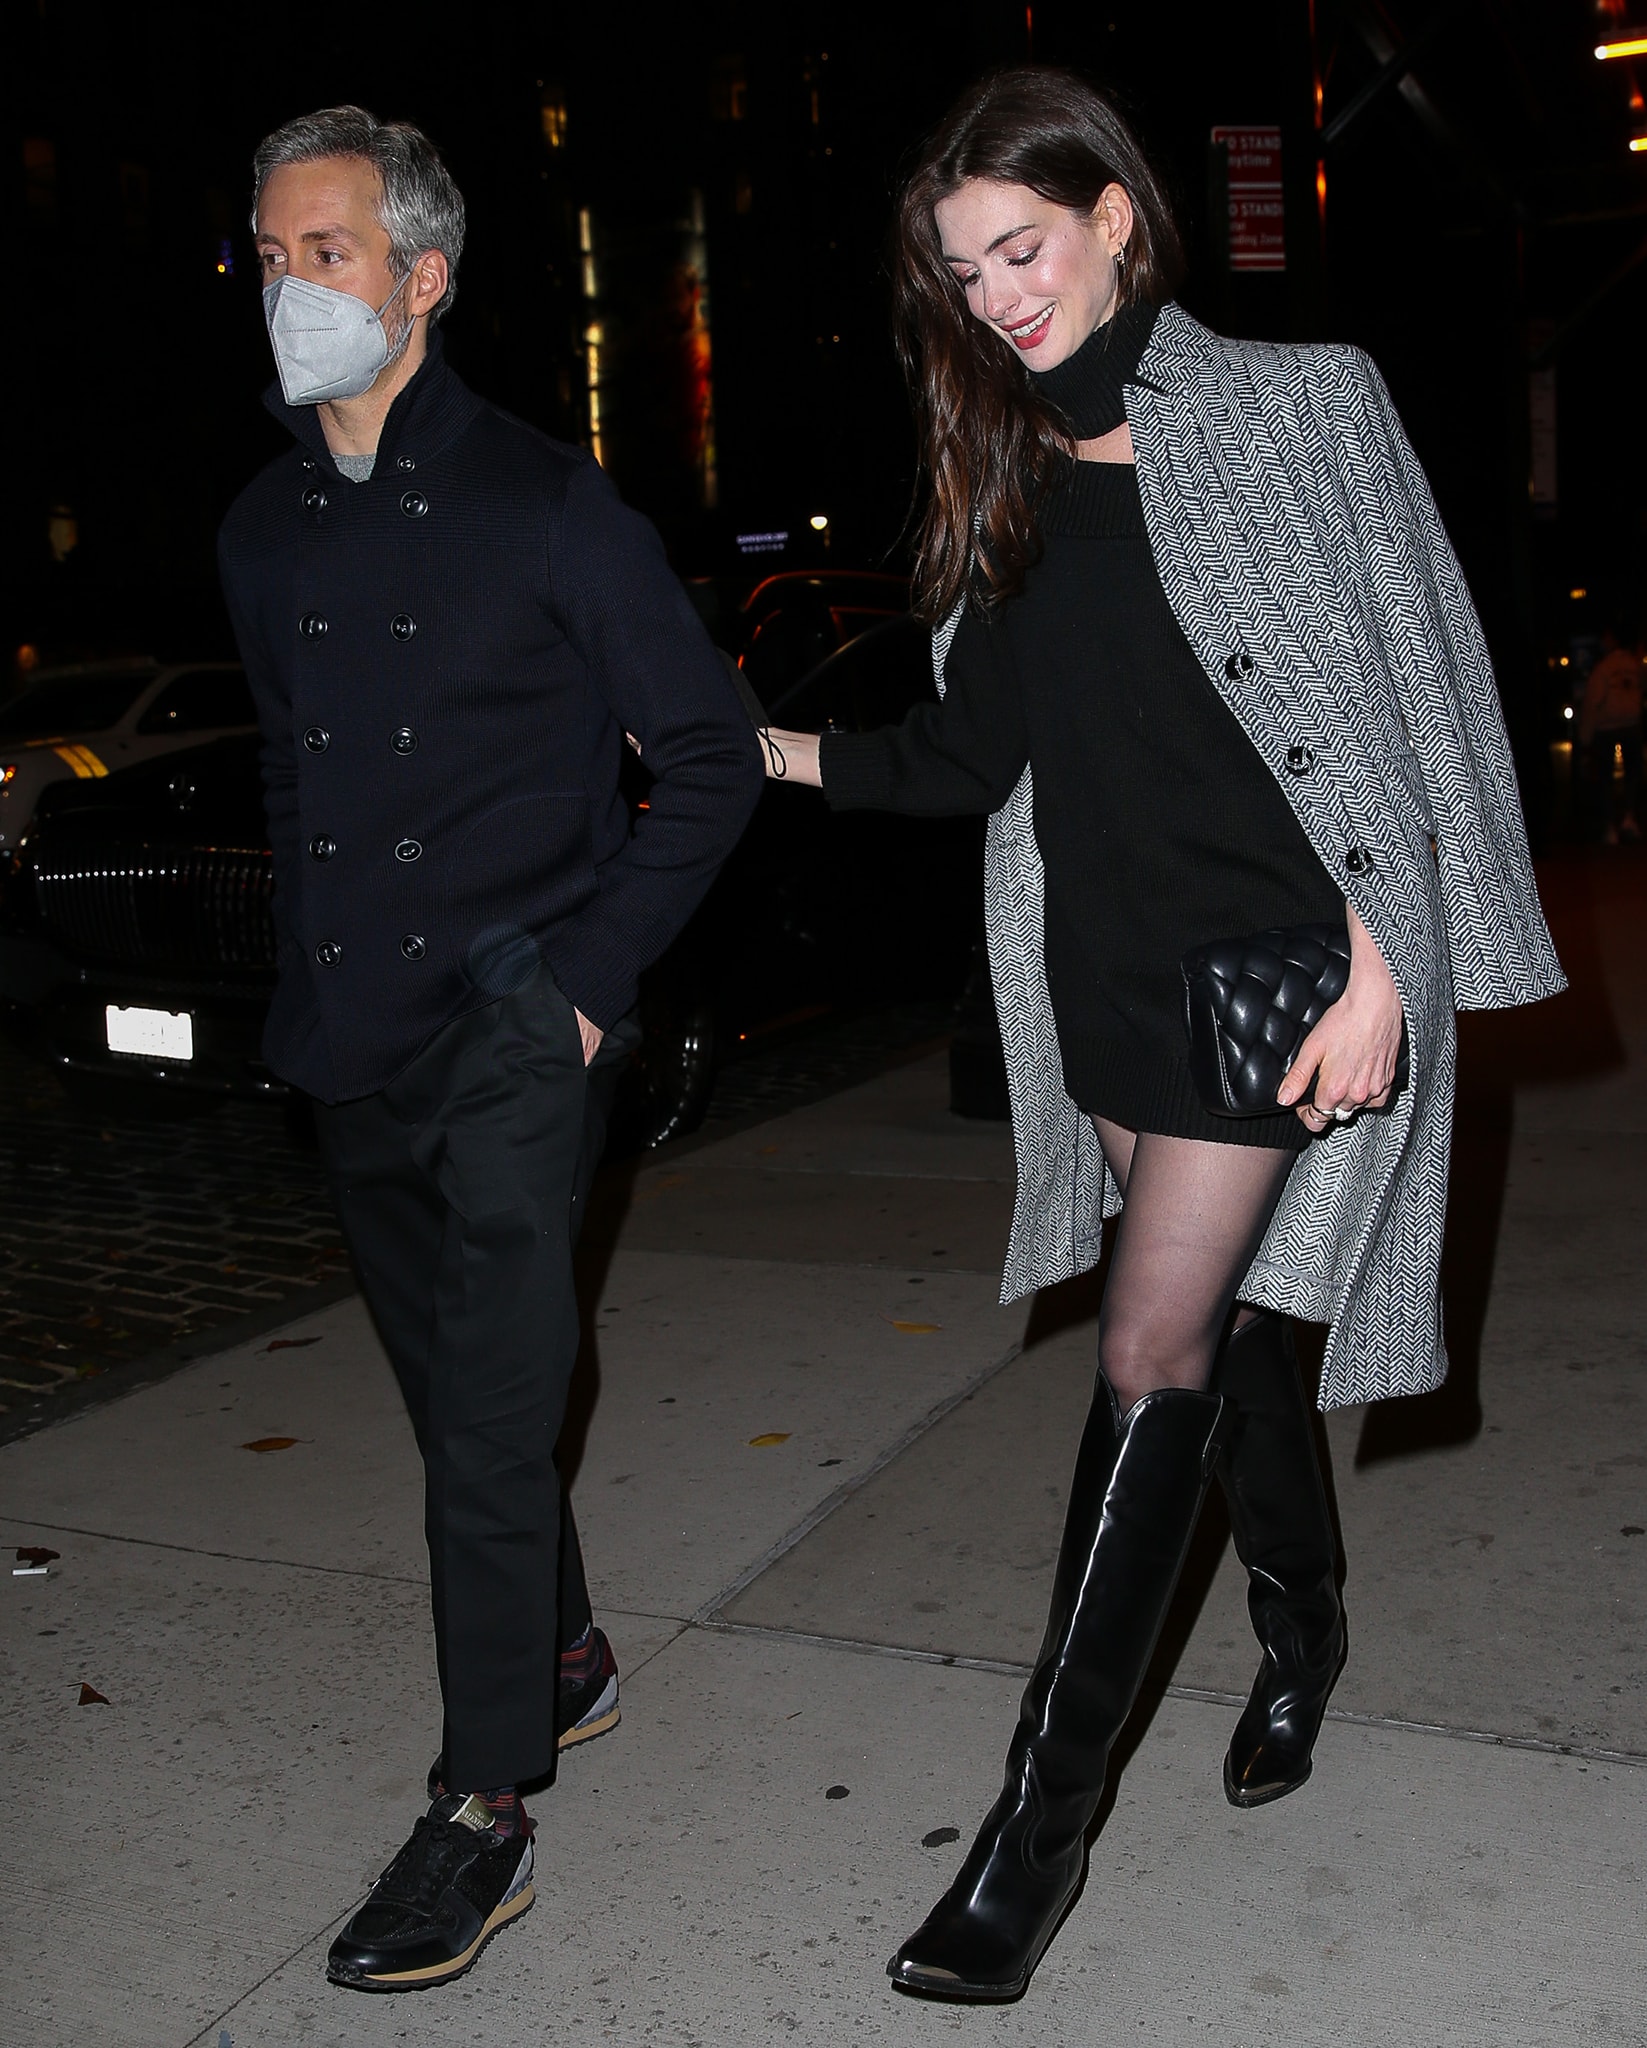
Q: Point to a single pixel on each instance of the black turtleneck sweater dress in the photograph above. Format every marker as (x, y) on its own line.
(1158, 824)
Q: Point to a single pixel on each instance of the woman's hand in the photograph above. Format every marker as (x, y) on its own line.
(790, 756)
(1351, 1054)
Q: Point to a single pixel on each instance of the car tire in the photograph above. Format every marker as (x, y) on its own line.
(671, 1077)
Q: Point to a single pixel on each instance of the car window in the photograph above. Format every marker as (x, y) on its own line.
(201, 700)
(787, 644)
(72, 704)
(871, 682)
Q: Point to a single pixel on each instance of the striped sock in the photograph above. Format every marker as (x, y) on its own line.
(509, 1816)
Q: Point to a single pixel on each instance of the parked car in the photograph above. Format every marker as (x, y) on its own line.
(89, 721)
(136, 936)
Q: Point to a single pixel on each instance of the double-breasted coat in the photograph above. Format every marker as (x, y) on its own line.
(1300, 549)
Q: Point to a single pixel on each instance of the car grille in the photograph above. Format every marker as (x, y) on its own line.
(208, 908)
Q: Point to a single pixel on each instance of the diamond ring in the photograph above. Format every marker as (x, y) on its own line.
(1342, 1114)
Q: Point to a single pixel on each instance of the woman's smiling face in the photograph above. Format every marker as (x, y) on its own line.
(1043, 275)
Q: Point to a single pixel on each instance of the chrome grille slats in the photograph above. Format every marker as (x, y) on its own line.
(157, 906)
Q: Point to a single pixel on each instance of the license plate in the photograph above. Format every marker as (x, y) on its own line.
(157, 1034)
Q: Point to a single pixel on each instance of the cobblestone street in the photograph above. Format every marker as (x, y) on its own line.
(133, 1230)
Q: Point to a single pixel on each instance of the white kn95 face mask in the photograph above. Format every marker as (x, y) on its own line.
(327, 343)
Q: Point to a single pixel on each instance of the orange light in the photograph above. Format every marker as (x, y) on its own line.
(1575, 595)
(1634, 46)
(222, 270)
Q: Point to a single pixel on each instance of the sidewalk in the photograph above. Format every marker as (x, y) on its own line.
(822, 1635)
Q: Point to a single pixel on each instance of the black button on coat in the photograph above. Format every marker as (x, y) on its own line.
(548, 624)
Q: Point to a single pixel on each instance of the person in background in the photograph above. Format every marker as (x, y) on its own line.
(450, 623)
(1207, 661)
(1609, 729)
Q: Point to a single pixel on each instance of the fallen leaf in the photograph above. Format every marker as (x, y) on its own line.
(35, 1553)
(290, 1343)
(271, 1443)
(915, 1329)
(1629, 1529)
(838, 1792)
(773, 1436)
(939, 1836)
(91, 1697)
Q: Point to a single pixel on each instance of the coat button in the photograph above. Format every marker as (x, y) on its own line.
(328, 952)
(1358, 860)
(403, 625)
(412, 947)
(314, 499)
(409, 849)
(317, 739)
(407, 462)
(1238, 667)
(322, 846)
(403, 740)
(414, 504)
(1300, 760)
(313, 625)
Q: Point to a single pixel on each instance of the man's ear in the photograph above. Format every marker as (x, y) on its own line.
(430, 277)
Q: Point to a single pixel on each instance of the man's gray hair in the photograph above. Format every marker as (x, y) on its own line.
(420, 208)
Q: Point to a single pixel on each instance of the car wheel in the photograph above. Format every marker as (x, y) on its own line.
(671, 1076)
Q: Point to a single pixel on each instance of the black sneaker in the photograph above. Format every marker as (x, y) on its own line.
(587, 1707)
(456, 1882)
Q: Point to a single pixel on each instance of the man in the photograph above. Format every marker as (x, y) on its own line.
(450, 622)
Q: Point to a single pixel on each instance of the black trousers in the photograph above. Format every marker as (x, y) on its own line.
(461, 1188)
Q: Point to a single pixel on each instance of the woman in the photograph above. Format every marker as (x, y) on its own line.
(1207, 661)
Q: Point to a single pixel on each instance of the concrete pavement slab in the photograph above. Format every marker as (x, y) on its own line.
(690, 1360)
(260, 1724)
(1491, 1586)
(1428, 1892)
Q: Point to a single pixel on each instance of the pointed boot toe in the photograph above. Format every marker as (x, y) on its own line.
(964, 1951)
(1270, 1753)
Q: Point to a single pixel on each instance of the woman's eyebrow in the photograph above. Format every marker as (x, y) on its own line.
(1027, 228)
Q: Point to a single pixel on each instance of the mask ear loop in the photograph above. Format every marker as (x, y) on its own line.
(775, 753)
(393, 355)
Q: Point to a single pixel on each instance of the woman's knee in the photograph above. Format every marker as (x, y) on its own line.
(1139, 1358)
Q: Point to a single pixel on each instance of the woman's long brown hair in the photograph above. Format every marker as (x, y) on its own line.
(988, 442)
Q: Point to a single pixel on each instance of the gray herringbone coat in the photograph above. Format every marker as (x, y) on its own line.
(1301, 551)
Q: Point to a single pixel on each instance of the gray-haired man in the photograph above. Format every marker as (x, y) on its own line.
(450, 622)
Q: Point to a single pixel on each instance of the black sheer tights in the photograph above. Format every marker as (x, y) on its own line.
(1195, 1215)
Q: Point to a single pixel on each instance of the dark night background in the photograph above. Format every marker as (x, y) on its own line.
(1480, 206)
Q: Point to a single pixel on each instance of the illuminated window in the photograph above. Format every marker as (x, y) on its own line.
(553, 115)
(729, 90)
(594, 334)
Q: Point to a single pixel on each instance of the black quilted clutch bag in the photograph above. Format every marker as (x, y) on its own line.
(1250, 1003)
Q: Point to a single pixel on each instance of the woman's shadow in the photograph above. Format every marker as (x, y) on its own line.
(1570, 1037)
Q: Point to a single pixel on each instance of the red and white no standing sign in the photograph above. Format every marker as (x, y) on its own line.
(1257, 222)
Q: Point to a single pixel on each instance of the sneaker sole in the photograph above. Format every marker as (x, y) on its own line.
(441, 1973)
(601, 1718)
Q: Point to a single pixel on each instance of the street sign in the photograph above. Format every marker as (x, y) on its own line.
(1256, 213)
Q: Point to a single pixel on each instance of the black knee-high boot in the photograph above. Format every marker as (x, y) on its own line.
(1133, 1505)
(1271, 1477)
